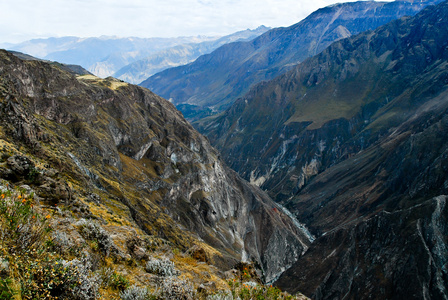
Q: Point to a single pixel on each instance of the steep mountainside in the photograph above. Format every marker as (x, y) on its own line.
(139, 162)
(354, 142)
(140, 70)
(218, 79)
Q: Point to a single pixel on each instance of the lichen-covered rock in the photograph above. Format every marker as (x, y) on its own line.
(21, 165)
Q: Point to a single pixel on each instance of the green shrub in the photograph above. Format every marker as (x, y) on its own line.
(37, 273)
(6, 290)
(22, 227)
(119, 282)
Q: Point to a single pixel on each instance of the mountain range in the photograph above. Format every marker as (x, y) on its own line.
(219, 78)
(131, 59)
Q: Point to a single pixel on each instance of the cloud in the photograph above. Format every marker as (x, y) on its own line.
(26, 19)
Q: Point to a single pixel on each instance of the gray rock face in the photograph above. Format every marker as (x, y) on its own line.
(123, 139)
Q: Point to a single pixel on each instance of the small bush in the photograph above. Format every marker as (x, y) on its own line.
(134, 293)
(6, 290)
(250, 290)
(220, 296)
(83, 284)
(106, 276)
(175, 289)
(34, 272)
(162, 267)
(22, 227)
(61, 242)
(119, 282)
(95, 233)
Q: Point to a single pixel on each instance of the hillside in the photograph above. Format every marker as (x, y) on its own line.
(353, 142)
(125, 185)
(218, 79)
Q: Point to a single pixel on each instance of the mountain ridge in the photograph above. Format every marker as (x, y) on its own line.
(107, 55)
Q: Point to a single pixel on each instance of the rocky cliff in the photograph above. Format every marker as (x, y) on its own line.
(353, 142)
(110, 151)
(218, 79)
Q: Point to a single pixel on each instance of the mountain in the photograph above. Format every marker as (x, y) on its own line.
(124, 181)
(353, 142)
(141, 69)
(218, 79)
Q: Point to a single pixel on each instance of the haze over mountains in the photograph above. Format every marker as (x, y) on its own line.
(140, 70)
(131, 59)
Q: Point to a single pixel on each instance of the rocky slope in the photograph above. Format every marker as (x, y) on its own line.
(218, 79)
(353, 142)
(109, 151)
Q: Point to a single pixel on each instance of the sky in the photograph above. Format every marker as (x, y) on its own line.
(22, 20)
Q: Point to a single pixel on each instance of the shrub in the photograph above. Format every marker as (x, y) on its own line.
(119, 282)
(221, 295)
(22, 227)
(61, 242)
(134, 293)
(106, 276)
(33, 271)
(82, 284)
(250, 290)
(93, 232)
(6, 290)
(162, 267)
(173, 288)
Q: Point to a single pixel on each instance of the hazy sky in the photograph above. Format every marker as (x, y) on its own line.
(26, 19)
